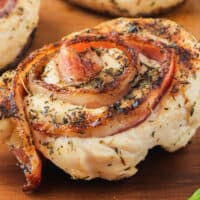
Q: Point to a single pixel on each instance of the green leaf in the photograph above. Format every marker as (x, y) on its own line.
(195, 196)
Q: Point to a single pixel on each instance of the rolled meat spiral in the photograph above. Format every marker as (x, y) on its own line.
(95, 106)
(96, 101)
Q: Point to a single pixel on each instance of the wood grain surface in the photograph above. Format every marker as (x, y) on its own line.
(162, 176)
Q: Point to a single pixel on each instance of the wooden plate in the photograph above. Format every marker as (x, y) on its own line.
(161, 176)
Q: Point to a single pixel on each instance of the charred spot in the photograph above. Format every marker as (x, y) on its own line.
(125, 111)
(184, 55)
(97, 83)
(78, 39)
(76, 120)
(116, 107)
(49, 146)
(175, 89)
(111, 72)
(65, 120)
(133, 28)
(158, 82)
(158, 28)
(8, 107)
(178, 85)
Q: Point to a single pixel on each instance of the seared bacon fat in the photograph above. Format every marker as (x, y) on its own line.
(96, 101)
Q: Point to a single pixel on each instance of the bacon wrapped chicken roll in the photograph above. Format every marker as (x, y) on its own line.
(18, 21)
(95, 102)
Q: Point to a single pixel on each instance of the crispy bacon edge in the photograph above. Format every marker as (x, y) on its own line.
(26, 153)
(149, 103)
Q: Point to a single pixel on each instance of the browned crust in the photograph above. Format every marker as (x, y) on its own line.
(182, 54)
(108, 116)
(7, 106)
(59, 90)
(155, 13)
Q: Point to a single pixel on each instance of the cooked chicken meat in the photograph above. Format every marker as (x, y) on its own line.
(18, 21)
(95, 102)
(129, 7)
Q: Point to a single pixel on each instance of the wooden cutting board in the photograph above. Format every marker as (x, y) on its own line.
(162, 176)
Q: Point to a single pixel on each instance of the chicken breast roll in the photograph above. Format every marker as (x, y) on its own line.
(18, 21)
(95, 102)
(129, 7)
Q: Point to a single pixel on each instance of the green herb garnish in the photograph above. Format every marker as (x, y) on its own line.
(195, 196)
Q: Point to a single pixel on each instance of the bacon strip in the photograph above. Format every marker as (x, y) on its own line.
(91, 98)
(73, 69)
(22, 145)
(111, 120)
